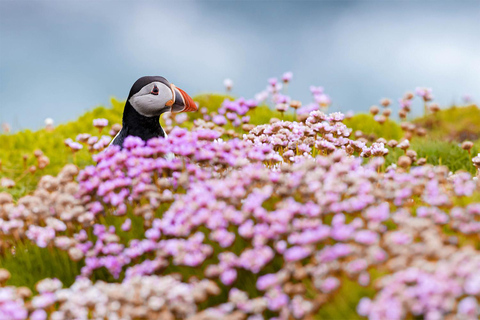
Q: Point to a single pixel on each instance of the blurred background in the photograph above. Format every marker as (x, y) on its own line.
(61, 58)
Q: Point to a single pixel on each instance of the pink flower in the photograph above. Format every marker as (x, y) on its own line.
(228, 276)
(329, 284)
(100, 123)
(378, 213)
(126, 225)
(287, 77)
(296, 253)
(367, 237)
(266, 281)
(219, 120)
(38, 314)
(363, 307)
(468, 306)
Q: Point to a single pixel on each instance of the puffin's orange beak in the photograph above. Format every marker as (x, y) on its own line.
(190, 105)
(182, 102)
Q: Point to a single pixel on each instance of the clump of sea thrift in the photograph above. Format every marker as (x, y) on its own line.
(289, 230)
(151, 297)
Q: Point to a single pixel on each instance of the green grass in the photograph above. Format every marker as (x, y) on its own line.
(30, 264)
(365, 123)
(453, 124)
(450, 154)
(439, 152)
(343, 305)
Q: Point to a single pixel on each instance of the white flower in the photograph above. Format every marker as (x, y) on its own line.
(228, 83)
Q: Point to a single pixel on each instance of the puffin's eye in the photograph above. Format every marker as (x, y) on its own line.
(154, 90)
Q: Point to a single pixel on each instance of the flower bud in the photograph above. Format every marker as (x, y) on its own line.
(387, 112)
(24, 292)
(476, 161)
(381, 119)
(374, 110)
(404, 145)
(4, 276)
(7, 183)
(412, 155)
(302, 117)
(281, 107)
(115, 129)
(404, 162)
(5, 198)
(295, 104)
(434, 107)
(392, 143)
(421, 132)
(358, 134)
(385, 102)
(38, 153)
(75, 254)
(467, 145)
(43, 161)
(247, 127)
(408, 135)
(405, 126)
(421, 161)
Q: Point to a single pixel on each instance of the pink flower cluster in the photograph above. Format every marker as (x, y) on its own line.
(330, 203)
(235, 111)
(151, 297)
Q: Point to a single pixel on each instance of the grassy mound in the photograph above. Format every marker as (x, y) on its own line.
(453, 124)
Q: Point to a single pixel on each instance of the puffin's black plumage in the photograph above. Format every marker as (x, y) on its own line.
(147, 127)
(134, 124)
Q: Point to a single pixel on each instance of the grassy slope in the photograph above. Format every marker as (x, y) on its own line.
(453, 124)
(14, 146)
(439, 147)
(436, 147)
(30, 263)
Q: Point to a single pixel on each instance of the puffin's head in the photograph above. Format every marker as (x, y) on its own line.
(152, 96)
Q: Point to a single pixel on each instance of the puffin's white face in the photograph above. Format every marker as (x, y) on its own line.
(151, 99)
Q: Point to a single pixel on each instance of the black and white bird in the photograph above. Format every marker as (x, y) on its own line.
(150, 97)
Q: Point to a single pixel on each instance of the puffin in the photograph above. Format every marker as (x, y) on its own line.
(149, 97)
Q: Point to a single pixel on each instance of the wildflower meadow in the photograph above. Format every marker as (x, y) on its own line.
(261, 208)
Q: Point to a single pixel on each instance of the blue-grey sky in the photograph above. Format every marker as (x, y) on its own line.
(60, 58)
